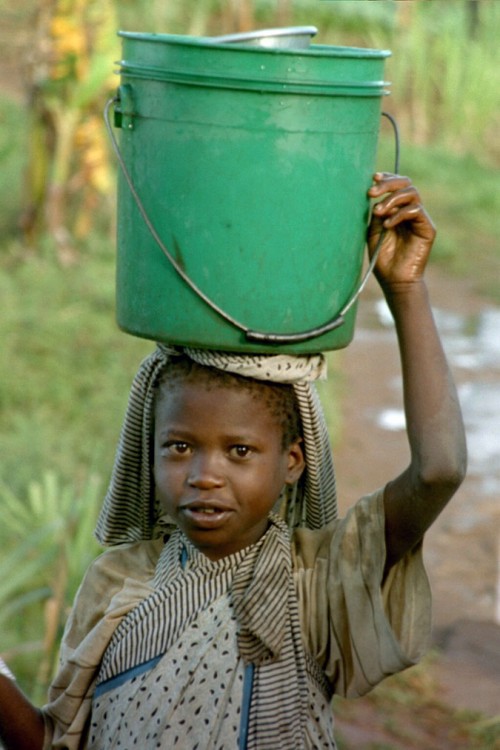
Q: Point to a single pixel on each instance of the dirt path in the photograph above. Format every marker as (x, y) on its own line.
(462, 548)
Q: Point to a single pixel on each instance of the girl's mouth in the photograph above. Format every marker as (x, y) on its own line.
(205, 510)
(206, 517)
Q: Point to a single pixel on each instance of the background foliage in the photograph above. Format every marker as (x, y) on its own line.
(66, 369)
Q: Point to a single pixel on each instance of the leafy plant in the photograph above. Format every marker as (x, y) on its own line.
(47, 544)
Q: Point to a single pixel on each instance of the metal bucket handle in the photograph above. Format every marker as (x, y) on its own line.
(251, 335)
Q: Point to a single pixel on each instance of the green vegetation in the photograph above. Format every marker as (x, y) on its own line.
(47, 543)
(67, 369)
(463, 197)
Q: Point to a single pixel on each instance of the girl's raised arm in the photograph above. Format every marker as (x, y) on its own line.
(433, 417)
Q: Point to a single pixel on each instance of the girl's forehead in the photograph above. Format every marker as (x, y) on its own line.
(219, 387)
(275, 400)
(181, 392)
(197, 410)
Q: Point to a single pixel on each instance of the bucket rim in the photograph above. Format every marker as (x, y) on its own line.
(314, 50)
(377, 88)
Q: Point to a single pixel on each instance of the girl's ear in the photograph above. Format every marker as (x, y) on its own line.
(296, 462)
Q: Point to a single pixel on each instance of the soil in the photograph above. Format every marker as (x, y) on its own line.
(461, 557)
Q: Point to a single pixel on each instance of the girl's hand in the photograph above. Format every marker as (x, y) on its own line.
(409, 234)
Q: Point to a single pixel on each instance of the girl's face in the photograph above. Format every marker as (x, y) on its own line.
(220, 464)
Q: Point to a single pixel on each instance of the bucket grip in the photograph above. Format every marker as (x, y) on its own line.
(250, 335)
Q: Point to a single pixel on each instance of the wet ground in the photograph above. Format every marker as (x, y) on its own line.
(463, 547)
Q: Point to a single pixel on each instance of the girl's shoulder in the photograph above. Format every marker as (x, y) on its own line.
(118, 578)
(364, 520)
(134, 560)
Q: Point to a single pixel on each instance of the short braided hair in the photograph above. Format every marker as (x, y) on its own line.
(279, 397)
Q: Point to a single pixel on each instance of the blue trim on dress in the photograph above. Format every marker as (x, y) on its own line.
(245, 705)
(140, 669)
(124, 677)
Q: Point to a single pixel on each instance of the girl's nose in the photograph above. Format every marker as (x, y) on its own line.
(204, 472)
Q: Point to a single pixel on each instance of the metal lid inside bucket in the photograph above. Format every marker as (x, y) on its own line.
(292, 37)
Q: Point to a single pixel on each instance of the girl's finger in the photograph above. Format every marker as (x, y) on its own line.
(387, 183)
(417, 221)
(405, 213)
(404, 196)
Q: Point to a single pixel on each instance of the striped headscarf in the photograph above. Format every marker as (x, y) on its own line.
(131, 513)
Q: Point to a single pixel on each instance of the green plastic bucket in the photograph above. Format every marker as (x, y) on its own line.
(242, 206)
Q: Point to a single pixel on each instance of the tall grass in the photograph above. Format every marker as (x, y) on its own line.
(445, 82)
(463, 197)
(13, 162)
(67, 369)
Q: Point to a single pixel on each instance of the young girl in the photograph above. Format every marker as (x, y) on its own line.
(233, 602)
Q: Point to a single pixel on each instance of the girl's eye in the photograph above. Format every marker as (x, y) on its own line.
(177, 448)
(240, 451)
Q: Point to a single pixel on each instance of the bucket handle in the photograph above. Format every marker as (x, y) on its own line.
(251, 335)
